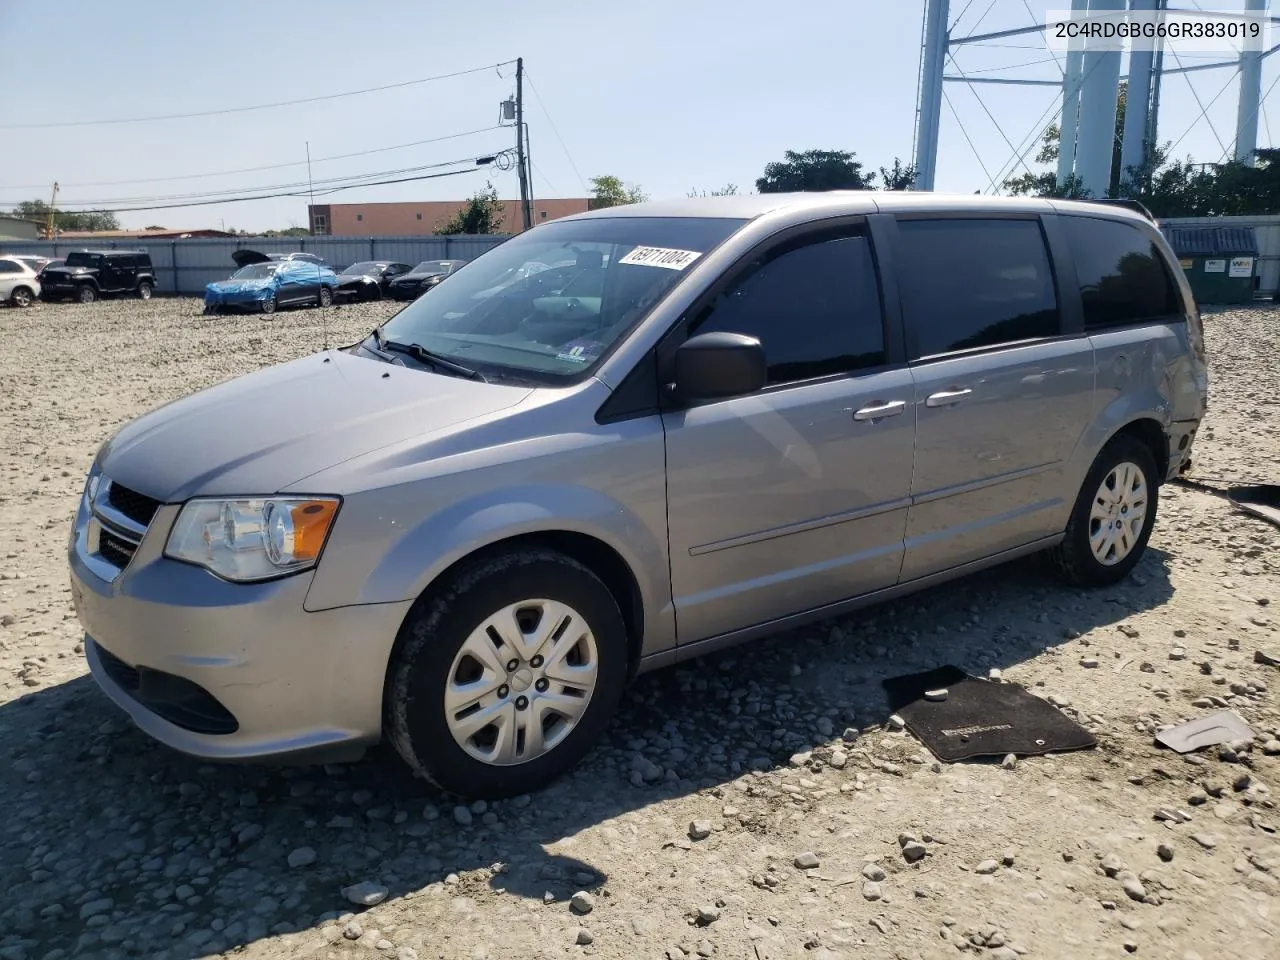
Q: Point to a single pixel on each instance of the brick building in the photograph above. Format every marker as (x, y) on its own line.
(423, 218)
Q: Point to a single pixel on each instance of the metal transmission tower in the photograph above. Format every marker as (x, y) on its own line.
(1090, 85)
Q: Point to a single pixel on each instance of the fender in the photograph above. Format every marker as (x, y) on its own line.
(425, 550)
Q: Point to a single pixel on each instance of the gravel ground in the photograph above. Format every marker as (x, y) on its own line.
(752, 805)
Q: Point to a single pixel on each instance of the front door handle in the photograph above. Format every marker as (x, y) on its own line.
(946, 398)
(877, 410)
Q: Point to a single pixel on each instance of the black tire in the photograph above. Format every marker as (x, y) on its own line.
(87, 293)
(270, 305)
(144, 290)
(21, 296)
(325, 297)
(434, 632)
(1074, 556)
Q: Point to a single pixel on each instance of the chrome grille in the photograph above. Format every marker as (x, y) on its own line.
(118, 524)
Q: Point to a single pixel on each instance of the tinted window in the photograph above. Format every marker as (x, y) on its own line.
(975, 283)
(815, 309)
(8, 266)
(78, 259)
(1122, 276)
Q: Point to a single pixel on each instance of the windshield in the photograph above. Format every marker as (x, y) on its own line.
(549, 303)
(256, 271)
(84, 259)
(361, 269)
(431, 266)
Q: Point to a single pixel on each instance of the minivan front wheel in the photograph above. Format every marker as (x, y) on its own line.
(505, 678)
(1113, 516)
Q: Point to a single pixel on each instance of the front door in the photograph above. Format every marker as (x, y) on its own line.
(796, 496)
(1003, 392)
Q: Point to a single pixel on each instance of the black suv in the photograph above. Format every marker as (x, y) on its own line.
(89, 274)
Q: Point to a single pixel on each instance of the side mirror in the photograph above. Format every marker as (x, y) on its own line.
(712, 366)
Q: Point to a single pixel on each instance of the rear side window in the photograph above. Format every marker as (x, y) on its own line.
(1122, 276)
(815, 308)
(975, 283)
(8, 266)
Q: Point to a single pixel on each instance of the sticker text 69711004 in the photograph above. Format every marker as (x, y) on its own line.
(661, 257)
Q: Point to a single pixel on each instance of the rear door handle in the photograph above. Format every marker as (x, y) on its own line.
(877, 410)
(946, 398)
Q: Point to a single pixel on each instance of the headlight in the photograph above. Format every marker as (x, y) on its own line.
(252, 539)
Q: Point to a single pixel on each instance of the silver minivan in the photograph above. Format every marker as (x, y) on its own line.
(693, 424)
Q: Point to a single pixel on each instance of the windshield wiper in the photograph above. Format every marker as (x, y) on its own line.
(432, 359)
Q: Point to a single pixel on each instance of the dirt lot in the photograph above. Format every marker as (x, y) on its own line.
(114, 847)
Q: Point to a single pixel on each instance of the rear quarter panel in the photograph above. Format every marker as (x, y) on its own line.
(1142, 372)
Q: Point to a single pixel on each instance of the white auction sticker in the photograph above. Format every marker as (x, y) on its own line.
(661, 257)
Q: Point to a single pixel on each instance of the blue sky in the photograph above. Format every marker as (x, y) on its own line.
(670, 95)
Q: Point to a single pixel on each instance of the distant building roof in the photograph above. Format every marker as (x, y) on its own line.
(140, 234)
(1212, 241)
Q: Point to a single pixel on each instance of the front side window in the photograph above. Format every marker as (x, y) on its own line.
(967, 284)
(1122, 276)
(814, 307)
(596, 280)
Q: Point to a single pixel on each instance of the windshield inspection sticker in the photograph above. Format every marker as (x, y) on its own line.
(661, 257)
(580, 351)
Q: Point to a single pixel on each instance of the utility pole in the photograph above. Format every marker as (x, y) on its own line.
(526, 213)
(49, 225)
(311, 196)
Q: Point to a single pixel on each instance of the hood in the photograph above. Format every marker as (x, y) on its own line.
(239, 286)
(243, 258)
(63, 268)
(345, 278)
(417, 277)
(259, 433)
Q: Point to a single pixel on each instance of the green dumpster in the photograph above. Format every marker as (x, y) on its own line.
(1219, 262)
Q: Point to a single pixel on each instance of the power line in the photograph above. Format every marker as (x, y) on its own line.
(1204, 110)
(269, 166)
(546, 113)
(990, 116)
(273, 196)
(1015, 66)
(1262, 105)
(258, 106)
(350, 179)
(965, 133)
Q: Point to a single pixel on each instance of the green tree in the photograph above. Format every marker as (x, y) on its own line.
(901, 176)
(815, 170)
(728, 190)
(481, 215)
(38, 211)
(610, 191)
(288, 232)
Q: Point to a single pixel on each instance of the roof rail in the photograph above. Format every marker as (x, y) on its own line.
(1128, 204)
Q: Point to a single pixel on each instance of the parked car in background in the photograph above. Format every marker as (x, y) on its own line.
(87, 275)
(243, 258)
(266, 286)
(19, 283)
(467, 532)
(422, 278)
(369, 279)
(36, 261)
(57, 262)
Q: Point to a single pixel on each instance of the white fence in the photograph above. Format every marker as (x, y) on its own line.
(185, 266)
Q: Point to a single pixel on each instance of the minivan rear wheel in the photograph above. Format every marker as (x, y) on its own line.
(1113, 516)
(505, 677)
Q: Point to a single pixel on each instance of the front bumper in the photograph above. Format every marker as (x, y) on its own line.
(404, 293)
(297, 685)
